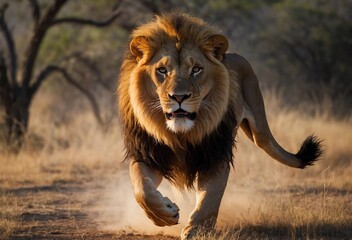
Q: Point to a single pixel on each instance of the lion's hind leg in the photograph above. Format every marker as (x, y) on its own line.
(145, 181)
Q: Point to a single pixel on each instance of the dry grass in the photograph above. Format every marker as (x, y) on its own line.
(69, 182)
(9, 220)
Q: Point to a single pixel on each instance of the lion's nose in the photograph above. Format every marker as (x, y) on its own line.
(180, 97)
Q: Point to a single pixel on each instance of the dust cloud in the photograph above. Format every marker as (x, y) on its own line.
(253, 171)
(121, 213)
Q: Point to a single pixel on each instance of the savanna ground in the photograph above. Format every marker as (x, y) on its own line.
(69, 182)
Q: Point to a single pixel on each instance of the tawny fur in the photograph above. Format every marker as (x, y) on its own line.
(177, 40)
(141, 107)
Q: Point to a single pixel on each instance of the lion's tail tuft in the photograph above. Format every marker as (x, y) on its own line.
(310, 151)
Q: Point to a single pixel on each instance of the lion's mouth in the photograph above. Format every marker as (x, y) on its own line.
(180, 113)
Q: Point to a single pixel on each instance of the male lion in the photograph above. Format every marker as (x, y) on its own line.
(181, 99)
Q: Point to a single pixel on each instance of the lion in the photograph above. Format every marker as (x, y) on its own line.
(181, 100)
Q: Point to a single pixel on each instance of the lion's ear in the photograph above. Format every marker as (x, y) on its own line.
(218, 45)
(138, 46)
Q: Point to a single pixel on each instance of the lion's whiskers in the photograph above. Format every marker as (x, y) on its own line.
(155, 105)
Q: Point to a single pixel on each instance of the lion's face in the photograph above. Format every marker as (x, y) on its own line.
(177, 84)
(181, 84)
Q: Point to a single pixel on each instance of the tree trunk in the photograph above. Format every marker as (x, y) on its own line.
(15, 101)
(17, 121)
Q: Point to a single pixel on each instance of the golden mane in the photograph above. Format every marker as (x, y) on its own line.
(152, 141)
(178, 28)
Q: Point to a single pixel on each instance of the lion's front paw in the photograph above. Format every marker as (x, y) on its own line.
(160, 209)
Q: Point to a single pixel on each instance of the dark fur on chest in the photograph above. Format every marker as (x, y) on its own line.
(203, 158)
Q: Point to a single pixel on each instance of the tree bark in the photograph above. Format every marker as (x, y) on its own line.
(18, 122)
(16, 110)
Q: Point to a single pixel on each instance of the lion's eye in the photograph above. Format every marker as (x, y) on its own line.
(161, 70)
(196, 70)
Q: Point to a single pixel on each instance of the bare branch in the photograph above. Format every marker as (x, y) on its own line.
(37, 38)
(35, 10)
(40, 79)
(90, 22)
(91, 66)
(10, 44)
(51, 69)
(88, 63)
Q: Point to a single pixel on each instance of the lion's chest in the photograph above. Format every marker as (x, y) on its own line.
(205, 157)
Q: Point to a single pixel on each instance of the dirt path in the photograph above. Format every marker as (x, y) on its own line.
(70, 202)
(61, 211)
(71, 209)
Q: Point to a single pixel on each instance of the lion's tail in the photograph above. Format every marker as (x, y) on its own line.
(255, 126)
(309, 152)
